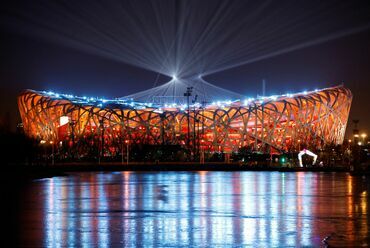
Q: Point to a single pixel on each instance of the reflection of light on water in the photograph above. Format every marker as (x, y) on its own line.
(291, 212)
(203, 205)
(364, 211)
(183, 207)
(349, 204)
(125, 200)
(273, 208)
(349, 184)
(363, 202)
(307, 186)
(71, 216)
(349, 196)
(49, 207)
(299, 205)
(283, 183)
(150, 195)
(261, 210)
(54, 212)
(103, 215)
(200, 209)
(85, 215)
(126, 174)
(202, 173)
(237, 224)
(222, 208)
(249, 208)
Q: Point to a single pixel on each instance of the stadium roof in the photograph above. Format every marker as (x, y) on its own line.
(173, 91)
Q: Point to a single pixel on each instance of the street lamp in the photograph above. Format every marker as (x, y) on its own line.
(202, 151)
(194, 123)
(363, 136)
(42, 142)
(122, 145)
(188, 92)
(52, 152)
(127, 149)
(198, 136)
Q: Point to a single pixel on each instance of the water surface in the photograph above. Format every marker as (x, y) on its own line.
(203, 209)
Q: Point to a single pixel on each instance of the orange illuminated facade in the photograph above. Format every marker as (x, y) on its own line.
(277, 123)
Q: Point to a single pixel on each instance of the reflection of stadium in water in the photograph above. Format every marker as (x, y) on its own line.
(275, 123)
(196, 209)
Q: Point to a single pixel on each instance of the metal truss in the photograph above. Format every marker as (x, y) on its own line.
(286, 123)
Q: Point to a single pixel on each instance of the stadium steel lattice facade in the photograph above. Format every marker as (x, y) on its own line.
(277, 123)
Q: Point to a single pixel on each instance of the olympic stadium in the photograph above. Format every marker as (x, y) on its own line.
(194, 114)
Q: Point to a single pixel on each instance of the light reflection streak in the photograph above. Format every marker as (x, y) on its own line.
(299, 205)
(307, 186)
(102, 214)
(349, 202)
(200, 209)
(49, 206)
(203, 205)
(85, 214)
(71, 220)
(125, 204)
(54, 212)
(364, 212)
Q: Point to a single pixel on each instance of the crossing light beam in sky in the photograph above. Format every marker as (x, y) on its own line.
(184, 39)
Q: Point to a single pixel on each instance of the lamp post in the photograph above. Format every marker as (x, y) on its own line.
(198, 136)
(42, 142)
(363, 136)
(188, 94)
(52, 152)
(122, 153)
(127, 149)
(355, 139)
(201, 152)
(194, 125)
(122, 142)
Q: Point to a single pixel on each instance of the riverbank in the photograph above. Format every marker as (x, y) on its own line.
(60, 169)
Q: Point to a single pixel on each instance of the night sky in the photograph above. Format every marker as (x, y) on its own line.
(31, 62)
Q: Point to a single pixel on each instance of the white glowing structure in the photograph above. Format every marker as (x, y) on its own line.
(63, 120)
(173, 92)
(308, 152)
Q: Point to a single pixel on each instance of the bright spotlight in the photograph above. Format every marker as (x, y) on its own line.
(174, 78)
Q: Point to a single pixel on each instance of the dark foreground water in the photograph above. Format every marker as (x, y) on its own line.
(187, 209)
